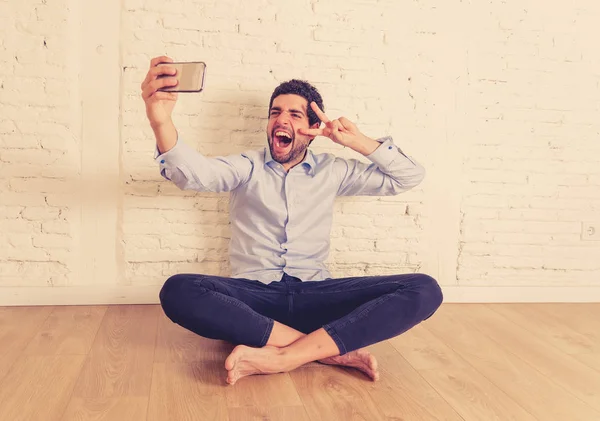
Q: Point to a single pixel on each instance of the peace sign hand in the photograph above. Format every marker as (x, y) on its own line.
(342, 131)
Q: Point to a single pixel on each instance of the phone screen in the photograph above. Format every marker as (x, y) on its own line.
(190, 76)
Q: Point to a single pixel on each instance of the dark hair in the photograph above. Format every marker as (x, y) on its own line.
(303, 89)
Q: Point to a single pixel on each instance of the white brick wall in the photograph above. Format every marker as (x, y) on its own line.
(531, 165)
(499, 101)
(38, 156)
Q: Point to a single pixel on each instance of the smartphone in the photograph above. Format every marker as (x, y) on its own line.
(190, 76)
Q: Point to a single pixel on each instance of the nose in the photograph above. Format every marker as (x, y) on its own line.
(282, 120)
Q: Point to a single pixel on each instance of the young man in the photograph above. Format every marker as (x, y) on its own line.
(281, 208)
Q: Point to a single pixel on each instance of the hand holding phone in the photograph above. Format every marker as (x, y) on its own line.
(159, 105)
(163, 82)
(189, 75)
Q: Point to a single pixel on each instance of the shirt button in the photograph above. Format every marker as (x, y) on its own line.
(162, 161)
(389, 147)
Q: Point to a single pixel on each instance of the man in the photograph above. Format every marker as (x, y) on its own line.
(281, 208)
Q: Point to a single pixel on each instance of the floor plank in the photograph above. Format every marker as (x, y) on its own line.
(38, 388)
(470, 393)
(120, 361)
(106, 409)
(176, 344)
(332, 393)
(569, 373)
(116, 376)
(188, 381)
(67, 331)
(548, 326)
(402, 394)
(271, 391)
(536, 393)
(187, 391)
(18, 325)
(469, 362)
(287, 413)
(582, 318)
(591, 360)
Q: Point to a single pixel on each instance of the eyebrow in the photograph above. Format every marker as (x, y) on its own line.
(291, 111)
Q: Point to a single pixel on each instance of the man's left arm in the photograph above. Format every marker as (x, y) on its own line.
(391, 171)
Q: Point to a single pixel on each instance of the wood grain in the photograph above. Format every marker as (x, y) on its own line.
(468, 362)
(591, 360)
(533, 391)
(106, 409)
(67, 331)
(176, 344)
(187, 391)
(120, 361)
(401, 393)
(287, 413)
(548, 326)
(332, 393)
(263, 391)
(18, 326)
(38, 388)
(471, 394)
(583, 319)
(566, 371)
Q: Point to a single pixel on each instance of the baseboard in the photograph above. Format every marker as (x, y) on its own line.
(87, 295)
(79, 295)
(513, 294)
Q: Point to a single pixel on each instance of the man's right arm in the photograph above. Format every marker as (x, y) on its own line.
(166, 136)
(188, 169)
(184, 166)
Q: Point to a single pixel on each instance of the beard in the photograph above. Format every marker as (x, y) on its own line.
(297, 149)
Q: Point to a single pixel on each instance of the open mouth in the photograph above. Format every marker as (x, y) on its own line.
(282, 140)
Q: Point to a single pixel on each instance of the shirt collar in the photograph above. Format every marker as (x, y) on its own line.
(309, 160)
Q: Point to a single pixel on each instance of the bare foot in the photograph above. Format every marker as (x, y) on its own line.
(246, 361)
(361, 359)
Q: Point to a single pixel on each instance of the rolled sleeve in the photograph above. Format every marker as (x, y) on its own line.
(191, 170)
(385, 155)
(391, 172)
(173, 159)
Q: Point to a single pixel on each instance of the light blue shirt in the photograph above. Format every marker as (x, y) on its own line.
(281, 221)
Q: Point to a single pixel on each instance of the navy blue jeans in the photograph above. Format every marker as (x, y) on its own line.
(355, 312)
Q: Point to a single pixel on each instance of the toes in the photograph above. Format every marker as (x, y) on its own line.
(373, 363)
(231, 378)
(230, 362)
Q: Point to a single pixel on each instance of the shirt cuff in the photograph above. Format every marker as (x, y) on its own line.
(387, 153)
(174, 158)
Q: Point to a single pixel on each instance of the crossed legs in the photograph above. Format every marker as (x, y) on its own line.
(332, 320)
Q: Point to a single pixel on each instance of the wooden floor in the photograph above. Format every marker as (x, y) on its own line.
(476, 362)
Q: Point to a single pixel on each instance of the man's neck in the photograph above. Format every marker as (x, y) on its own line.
(289, 165)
